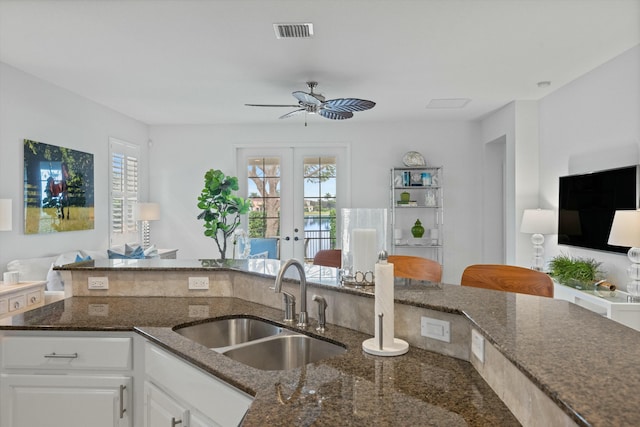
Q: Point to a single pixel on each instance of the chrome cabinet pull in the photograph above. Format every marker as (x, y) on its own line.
(61, 356)
(122, 408)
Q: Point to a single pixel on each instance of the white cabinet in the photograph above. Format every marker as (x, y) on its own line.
(176, 391)
(616, 305)
(65, 401)
(65, 381)
(21, 297)
(417, 194)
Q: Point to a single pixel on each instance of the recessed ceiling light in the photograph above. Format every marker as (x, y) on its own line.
(445, 103)
(544, 83)
(293, 31)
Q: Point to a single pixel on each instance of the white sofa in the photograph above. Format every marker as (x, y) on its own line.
(41, 268)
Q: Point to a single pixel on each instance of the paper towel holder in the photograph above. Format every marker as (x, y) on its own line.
(375, 345)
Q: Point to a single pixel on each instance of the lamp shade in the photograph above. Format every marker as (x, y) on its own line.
(148, 211)
(5, 215)
(538, 221)
(625, 230)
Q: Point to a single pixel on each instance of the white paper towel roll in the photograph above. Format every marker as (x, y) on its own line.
(365, 251)
(384, 302)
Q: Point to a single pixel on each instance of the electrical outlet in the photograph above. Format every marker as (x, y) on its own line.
(198, 283)
(98, 283)
(477, 345)
(436, 329)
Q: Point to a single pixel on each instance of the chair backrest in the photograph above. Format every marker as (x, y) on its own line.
(508, 278)
(328, 258)
(414, 267)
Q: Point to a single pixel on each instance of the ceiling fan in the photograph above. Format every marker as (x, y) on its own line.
(315, 103)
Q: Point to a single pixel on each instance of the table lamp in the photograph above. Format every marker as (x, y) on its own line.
(146, 212)
(5, 215)
(625, 231)
(538, 222)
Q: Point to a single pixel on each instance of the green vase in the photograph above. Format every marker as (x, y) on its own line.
(417, 230)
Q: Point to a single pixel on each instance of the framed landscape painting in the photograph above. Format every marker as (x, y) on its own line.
(58, 189)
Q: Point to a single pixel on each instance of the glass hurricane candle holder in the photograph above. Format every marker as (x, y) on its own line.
(364, 235)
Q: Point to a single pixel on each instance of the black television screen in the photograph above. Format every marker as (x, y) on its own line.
(588, 203)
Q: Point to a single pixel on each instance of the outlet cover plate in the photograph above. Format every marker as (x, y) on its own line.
(98, 283)
(198, 283)
(477, 345)
(435, 328)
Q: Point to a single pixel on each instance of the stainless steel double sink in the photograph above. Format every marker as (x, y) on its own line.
(260, 344)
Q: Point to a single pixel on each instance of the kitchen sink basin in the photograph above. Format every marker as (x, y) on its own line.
(260, 344)
(284, 352)
(229, 332)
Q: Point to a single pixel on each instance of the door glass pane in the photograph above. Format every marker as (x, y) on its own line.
(319, 204)
(263, 184)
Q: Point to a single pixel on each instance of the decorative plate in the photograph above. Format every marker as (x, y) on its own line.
(413, 158)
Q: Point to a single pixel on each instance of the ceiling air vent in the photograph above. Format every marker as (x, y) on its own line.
(293, 31)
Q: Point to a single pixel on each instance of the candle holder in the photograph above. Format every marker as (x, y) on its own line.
(364, 235)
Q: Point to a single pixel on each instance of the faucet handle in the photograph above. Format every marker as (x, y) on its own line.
(289, 307)
(322, 308)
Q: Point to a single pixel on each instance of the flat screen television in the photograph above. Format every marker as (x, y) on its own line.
(588, 203)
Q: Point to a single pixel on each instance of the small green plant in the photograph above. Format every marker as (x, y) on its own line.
(221, 209)
(570, 271)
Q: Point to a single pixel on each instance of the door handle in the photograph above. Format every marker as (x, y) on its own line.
(287, 238)
(296, 238)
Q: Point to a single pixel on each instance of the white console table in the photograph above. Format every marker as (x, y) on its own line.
(615, 305)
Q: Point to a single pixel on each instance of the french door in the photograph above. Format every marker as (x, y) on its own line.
(296, 195)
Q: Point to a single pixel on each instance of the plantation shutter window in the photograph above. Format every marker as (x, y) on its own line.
(124, 192)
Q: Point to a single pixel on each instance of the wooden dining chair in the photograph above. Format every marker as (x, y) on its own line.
(415, 267)
(328, 258)
(508, 278)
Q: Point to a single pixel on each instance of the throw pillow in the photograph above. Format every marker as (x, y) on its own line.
(54, 280)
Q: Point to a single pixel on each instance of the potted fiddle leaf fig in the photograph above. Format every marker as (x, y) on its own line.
(221, 209)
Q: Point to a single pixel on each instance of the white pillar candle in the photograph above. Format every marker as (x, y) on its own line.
(365, 251)
(384, 303)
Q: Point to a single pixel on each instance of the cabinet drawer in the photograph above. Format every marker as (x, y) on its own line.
(18, 302)
(4, 306)
(34, 297)
(67, 353)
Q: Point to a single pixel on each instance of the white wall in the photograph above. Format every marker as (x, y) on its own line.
(592, 123)
(33, 109)
(180, 156)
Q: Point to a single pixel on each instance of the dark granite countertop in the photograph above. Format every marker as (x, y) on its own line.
(585, 363)
(352, 389)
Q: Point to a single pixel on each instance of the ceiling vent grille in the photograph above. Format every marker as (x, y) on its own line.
(293, 31)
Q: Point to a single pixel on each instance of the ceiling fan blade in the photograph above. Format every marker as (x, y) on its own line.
(292, 113)
(308, 98)
(335, 115)
(271, 105)
(348, 104)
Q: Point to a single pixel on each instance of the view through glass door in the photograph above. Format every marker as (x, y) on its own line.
(296, 195)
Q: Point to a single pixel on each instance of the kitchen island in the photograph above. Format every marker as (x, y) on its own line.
(545, 340)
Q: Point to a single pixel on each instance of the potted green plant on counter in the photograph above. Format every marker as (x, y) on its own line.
(580, 273)
(221, 209)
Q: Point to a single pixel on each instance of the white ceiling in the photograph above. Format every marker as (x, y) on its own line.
(200, 61)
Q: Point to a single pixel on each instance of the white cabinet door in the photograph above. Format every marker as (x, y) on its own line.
(161, 410)
(66, 401)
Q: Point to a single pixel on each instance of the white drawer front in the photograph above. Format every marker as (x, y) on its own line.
(67, 353)
(18, 302)
(34, 297)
